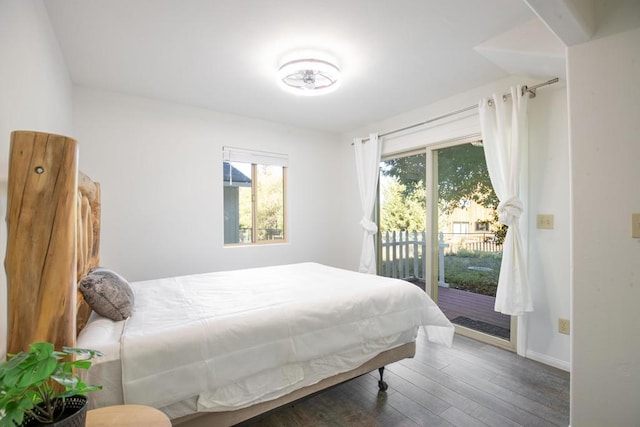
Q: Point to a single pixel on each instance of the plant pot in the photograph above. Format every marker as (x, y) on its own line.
(73, 415)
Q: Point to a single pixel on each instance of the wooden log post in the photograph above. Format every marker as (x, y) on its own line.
(88, 239)
(40, 260)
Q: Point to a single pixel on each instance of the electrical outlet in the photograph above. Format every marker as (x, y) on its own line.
(544, 221)
(564, 327)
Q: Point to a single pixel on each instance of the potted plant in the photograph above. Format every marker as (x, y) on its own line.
(42, 387)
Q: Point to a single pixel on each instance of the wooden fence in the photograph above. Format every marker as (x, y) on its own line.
(482, 246)
(402, 252)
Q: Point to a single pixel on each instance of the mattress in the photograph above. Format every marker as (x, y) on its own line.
(228, 340)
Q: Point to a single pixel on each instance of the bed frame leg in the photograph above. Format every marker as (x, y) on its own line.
(382, 385)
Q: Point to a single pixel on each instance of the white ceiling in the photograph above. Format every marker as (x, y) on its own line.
(223, 54)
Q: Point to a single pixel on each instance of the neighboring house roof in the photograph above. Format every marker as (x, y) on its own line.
(233, 177)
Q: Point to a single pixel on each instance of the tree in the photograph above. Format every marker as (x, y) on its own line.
(409, 171)
(462, 175)
(270, 203)
(403, 210)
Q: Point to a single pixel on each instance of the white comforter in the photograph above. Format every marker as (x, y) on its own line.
(240, 337)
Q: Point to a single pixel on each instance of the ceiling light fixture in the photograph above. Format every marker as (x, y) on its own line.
(309, 77)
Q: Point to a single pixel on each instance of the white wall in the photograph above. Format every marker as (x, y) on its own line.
(34, 81)
(548, 193)
(549, 268)
(35, 94)
(604, 116)
(160, 168)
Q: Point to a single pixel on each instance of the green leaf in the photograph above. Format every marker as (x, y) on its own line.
(11, 378)
(81, 390)
(82, 364)
(84, 353)
(13, 362)
(12, 419)
(40, 372)
(66, 380)
(25, 403)
(42, 350)
(13, 415)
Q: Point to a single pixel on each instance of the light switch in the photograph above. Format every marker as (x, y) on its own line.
(635, 225)
(544, 221)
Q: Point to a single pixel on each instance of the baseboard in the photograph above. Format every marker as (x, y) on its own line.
(547, 360)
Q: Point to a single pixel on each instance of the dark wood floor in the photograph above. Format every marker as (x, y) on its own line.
(455, 302)
(471, 384)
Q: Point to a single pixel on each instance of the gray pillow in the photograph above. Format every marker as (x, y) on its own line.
(107, 293)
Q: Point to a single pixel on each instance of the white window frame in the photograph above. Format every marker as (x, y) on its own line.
(259, 158)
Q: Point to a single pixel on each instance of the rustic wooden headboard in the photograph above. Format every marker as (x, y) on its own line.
(53, 240)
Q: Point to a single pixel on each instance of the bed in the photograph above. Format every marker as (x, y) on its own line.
(207, 349)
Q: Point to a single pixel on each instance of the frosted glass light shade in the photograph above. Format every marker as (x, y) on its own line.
(309, 77)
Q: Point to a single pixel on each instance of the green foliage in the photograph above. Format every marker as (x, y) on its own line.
(403, 210)
(409, 171)
(459, 276)
(498, 229)
(31, 381)
(270, 206)
(269, 203)
(462, 175)
(466, 253)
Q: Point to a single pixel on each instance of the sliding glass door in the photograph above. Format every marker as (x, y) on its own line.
(468, 243)
(438, 229)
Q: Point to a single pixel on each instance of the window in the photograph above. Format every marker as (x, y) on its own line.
(482, 225)
(254, 196)
(460, 227)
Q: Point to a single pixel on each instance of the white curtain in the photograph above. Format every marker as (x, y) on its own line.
(503, 122)
(367, 168)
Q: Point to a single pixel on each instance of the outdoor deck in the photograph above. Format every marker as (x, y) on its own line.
(477, 308)
(455, 303)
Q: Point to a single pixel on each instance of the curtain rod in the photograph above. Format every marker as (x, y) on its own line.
(525, 88)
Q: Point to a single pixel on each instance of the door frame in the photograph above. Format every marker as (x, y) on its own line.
(516, 341)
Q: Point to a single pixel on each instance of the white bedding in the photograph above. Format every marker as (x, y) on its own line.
(237, 338)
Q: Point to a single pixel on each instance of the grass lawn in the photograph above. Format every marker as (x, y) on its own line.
(481, 278)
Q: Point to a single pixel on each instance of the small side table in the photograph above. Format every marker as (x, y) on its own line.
(127, 416)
